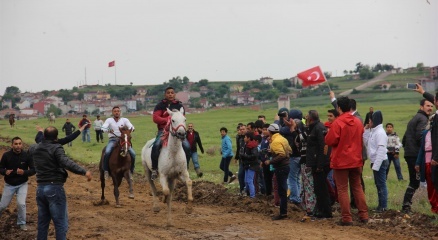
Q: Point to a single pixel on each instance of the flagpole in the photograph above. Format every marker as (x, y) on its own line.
(328, 84)
(115, 74)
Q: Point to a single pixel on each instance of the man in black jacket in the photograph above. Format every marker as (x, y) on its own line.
(50, 163)
(411, 144)
(434, 133)
(319, 163)
(16, 165)
(194, 139)
(68, 128)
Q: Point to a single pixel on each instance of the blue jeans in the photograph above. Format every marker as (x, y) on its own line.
(225, 166)
(194, 157)
(241, 176)
(293, 179)
(156, 147)
(52, 205)
(282, 175)
(397, 167)
(249, 182)
(86, 135)
(8, 192)
(380, 181)
(109, 148)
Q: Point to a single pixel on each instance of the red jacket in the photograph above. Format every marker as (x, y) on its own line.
(345, 136)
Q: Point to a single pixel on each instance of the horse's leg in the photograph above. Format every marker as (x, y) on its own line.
(102, 185)
(185, 178)
(169, 201)
(116, 189)
(131, 191)
(156, 206)
(165, 185)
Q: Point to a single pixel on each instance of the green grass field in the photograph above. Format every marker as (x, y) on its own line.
(398, 107)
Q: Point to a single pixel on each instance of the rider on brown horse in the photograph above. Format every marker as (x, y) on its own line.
(111, 126)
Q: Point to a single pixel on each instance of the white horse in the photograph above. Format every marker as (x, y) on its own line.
(52, 118)
(172, 164)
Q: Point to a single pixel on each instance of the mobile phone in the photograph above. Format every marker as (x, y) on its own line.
(411, 85)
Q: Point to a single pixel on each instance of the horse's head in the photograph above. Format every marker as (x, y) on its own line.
(124, 140)
(177, 123)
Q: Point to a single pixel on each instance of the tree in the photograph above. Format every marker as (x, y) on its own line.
(12, 90)
(45, 93)
(359, 66)
(345, 72)
(287, 83)
(420, 67)
(203, 82)
(327, 75)
(54, 110)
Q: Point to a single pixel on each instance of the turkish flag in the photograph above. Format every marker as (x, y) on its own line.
(313, 76)
(112, 64)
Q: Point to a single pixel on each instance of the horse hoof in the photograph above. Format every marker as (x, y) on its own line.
(131, 196)
(118, 206)
(156, 209)
(189, 209)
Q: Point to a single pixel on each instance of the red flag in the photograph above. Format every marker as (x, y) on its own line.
(112, 64)
(313, 76)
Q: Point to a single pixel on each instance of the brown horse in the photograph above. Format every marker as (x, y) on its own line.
(12, 120)
(119, 165)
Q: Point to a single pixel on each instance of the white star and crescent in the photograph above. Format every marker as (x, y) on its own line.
(309, 78)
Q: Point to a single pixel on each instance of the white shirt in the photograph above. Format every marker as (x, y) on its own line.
(98, 124)
(376, 140)
(110, 123)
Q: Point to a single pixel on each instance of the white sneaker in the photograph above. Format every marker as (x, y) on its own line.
(23, 227)
(106, 175)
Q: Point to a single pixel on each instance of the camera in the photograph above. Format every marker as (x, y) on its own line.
(282, 114)
(411, 86)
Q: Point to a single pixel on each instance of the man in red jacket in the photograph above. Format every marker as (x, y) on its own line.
(345, 137)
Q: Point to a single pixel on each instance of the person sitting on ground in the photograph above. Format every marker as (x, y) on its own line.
(111, 126)
(161, 117)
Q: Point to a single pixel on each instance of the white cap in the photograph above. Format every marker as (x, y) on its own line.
(273, 128)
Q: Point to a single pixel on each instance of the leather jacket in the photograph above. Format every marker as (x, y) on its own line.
(50, 163)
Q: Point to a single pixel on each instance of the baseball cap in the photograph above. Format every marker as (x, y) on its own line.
(273, 128)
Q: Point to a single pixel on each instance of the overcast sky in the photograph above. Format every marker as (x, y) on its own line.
(48, 44)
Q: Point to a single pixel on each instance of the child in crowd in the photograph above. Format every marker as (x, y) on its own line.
(249, 157)
(393, 147)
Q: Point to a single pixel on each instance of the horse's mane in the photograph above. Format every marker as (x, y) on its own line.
(165, 135)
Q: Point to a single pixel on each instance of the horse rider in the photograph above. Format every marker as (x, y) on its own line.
(111, 126)
(160, 117)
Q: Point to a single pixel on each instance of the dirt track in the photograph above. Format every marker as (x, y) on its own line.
(217, 214)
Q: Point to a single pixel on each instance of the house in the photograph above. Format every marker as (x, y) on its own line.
(28, 111)
(204, 103)
(24, 104)
(89, 96)
(57, 101)
(7, 102)
(42, 106)
(397, 70)
(283, 101)
(184, 97)
(266, 80)
(245, 98)
(142, 92)
(204, 90)
(236, 88)
(385, 86)
(194, 94)
(102, 95)
(434, 72)
(294, 81)
(428, 84)
(8, 111)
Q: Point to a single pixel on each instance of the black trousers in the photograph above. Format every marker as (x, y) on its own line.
(323, 205)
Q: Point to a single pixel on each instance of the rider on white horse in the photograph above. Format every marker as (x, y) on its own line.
(111, 126)
(160, 117)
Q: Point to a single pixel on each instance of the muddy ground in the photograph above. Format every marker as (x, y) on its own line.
(217, 214)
